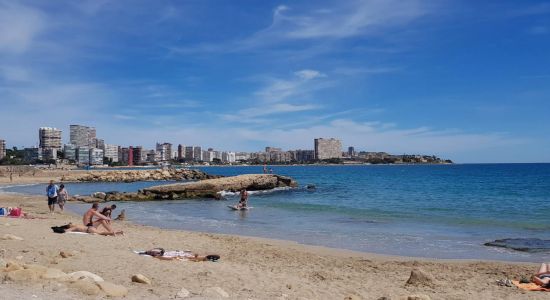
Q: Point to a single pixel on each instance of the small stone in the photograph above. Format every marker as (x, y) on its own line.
(113, 290)
(140, 279)
(384, 298)
(183, 293)
(352, 297)
(23, 275)
(86, 286)
(52, 273)
(418, 297)
(75, 276)
(65, 254)
(215, 292)
(12, 237)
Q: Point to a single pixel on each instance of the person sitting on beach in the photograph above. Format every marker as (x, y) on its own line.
(108, 210)
(542, 277)
(244, 199)
(88, 219)
(178, 255)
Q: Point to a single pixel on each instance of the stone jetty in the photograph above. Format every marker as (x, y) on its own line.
(209, 188)
(140, 175)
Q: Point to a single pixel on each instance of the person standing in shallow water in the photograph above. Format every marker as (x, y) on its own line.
(51, 191)
(62, 196)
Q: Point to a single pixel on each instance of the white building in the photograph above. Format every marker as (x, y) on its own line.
(83, 155)
(96, 156)
(50, 138)
(197, 153)
(111, 152)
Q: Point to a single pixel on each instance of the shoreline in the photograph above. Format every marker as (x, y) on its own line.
(329, 248)
(250, 267)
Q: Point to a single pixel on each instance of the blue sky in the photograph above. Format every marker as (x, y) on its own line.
(466, 80)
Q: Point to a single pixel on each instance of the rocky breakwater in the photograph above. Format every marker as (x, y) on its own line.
(209, 188)
(140, 175)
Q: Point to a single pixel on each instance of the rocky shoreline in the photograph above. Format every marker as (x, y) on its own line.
(139, 175)
(208, 188)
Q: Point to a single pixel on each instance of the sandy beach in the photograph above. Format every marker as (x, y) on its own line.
(249, 268)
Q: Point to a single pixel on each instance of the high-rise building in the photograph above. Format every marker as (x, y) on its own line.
(96, 156)
(189, 153)
(181, 152)
(99, 143)
(126, 155)
(327, 148)
(197, 153)
(207, 155)
(228, 157)
(164, 151)
(2, 149)
(50, 138)
(351, 151)
(82, 136)
(111, 152)
(137, 153)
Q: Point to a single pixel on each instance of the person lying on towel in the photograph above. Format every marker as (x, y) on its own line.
(84, 229)
(542, 277)
(177, 254)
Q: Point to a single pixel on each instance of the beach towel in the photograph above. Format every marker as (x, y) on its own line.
(530, 286)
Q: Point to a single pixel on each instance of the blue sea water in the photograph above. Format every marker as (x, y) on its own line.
(441, 211)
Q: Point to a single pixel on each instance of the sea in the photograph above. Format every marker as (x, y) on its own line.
(432, 211)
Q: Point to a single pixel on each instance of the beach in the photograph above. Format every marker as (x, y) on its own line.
(249, 268)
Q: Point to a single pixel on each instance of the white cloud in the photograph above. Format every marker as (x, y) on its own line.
(309, 74)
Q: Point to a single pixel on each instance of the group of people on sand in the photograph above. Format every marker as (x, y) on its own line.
(93, 220)
(56, 195)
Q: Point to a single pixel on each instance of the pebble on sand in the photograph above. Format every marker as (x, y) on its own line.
(418, 297)
(215, 292)
(139, 278)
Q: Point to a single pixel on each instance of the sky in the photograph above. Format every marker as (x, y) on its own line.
(464, 80)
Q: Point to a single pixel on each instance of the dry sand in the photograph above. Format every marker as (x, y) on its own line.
(250, 268)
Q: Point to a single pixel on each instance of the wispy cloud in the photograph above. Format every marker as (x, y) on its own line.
(299, 84)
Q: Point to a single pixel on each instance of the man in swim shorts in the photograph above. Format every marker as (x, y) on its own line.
(88, 219)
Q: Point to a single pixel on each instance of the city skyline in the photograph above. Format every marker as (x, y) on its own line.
(436, 77)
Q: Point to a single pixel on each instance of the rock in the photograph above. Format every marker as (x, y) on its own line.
(419, 277)
(215, 292)
(418, 297)
(75, 276)
(12, 266)
(12, 237)
(23, 275)
(86, 286)
(210, 188)
(384, 298)
(52, 273)
(65, 254)
(352, 297)
(140, 279)
(113, 290)
(99, 195)
(183, 293)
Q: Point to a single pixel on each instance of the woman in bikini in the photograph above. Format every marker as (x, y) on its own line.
(178, 255)
(542, 277)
